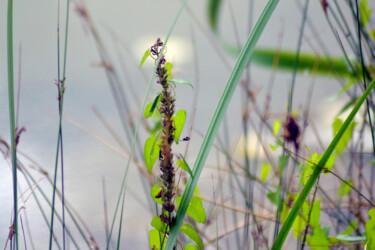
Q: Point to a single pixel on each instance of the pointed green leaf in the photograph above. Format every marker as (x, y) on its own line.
(158, 224)
(349, 238)
(195, 209)
(191, 247)
(318, 240)
(155, 190)
(145, 56)
(315, 214)
(353, 225)
(370, 230)
(364, 12)
(266, 168)
(182, 82)
(169, 67)
(276, 127)
(183, 164)
(192, 234)
(344, 188)
(179, 122)
(155, 238)
(150, 108)
(151, 152)
(347, 136)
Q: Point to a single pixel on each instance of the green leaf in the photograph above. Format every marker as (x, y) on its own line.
(344, 188)
(276, 127)
(337, 124)
(318, 240)
(183, 164)
(151, 152)
(213, 10)
(192, 234)
(370, 230)
(315, 214)
(349, 238)
(353, 225)
(179, 122)
(275, 197)
(266, 168)
(364, 12)
(155, 190)
(145, 56)
(150, 108)
(195, 209)
(169, 67)
(191, 247)
(182, 82)
(300, 222)
(158, 224)
(348, 105)
(307, 62)
(155, 238)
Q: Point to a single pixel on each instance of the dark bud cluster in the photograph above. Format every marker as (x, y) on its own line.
(291, 132)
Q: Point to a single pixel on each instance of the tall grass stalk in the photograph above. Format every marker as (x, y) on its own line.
(311, 182)
(59, 147)
(233, 80)
(12, 117)
(123, 183)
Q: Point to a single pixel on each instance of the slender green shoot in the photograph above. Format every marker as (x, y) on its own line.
(12, 117)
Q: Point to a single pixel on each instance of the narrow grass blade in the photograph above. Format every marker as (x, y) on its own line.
(311, 182)
(213, 9)
(12, 115)
(218, 117)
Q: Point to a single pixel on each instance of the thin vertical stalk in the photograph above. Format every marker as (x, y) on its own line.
(59, 148)
(12, 115)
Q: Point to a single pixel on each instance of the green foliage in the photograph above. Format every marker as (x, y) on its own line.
(155, 190)
(195, 209)
(364, 12)
(192, 234)
(168, 67)
(337, 124)
(149, 110)
(278, 243)
(183, 164)
(318, 240)
(344, 188)
(158, 224)
(213, 11)
(151, 152)
(266, 168)
(370, 230)
(181, 81)
(179, 122)
(191, 247)
(144, 57)
(276, 127)
(155, 239)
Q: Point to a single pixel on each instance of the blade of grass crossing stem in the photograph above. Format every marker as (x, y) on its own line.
(123, 184)
(306, 190)
(11, 114)
(59, 147)
(218, 117)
